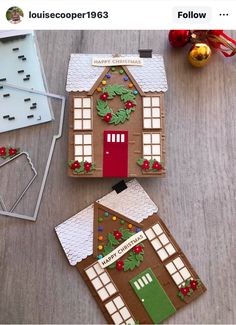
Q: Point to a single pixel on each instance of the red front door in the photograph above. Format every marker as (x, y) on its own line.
(115, 156)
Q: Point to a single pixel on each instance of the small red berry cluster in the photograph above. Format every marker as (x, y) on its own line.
(81, 167)
(8, 152)
(150, 165)
(188, 288)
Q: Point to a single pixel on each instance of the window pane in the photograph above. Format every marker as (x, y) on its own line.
(147, 112)
(77, 124)
(146, 138)
(87, 113)
(155, 138)
(78, 113)
(156, 123)
(86, 124)
(77, 103)
(147, 123)
(147, 149)
(87, 139)
(87, 150)
(156, 149)
(155, 101)
(146, 101)
(86, 102)
(78, 150)
(155, 112)
(78, 138)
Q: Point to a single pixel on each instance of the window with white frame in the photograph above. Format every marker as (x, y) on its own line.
(82, 113)
(178, 271)
(151, 113)
(160, 242)
(152, 146)
(83, 147)
(119, 311)
(101, 281)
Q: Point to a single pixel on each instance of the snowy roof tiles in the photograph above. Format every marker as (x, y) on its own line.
(82, 75)
(76, 233)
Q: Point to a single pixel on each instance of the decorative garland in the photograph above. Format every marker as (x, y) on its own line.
(151, 165)
(135, 256)
(123, 114)
(8, 152)
(81, 167)
(188, 288)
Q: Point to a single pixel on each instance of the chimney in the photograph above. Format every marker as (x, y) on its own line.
(145, 53)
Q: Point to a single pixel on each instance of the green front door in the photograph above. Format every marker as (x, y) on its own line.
(152, 295)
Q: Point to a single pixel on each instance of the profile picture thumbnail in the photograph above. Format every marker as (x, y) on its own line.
(14, 15)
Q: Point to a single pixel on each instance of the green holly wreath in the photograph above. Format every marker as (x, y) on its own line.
(135, 256)
(123, 114)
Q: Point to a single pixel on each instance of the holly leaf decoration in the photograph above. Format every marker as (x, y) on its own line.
(112, 240)
(128, 97)
(180, 295)
(126, 233)
(107, 249)
(139, 257)
(122, 114)
(102, 108)
(133, 260)
(79, 170)
(140, 161)
(112, 266)
(129, 264)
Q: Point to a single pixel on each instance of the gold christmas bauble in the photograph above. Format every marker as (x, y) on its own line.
(199, 54)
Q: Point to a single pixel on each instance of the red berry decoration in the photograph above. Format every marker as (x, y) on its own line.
(156, 165)
(145, 164)
(179, 38)
(117, 234)
(138, 249)
(75, 165)
(129, 104)
(119, 265)
(104, 96)
(87, 166)
(107, 117)
(193, 284)
(3, 151)
(185, 291)
(12, 151)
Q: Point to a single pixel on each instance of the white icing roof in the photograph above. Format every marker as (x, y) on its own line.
(76, 233)
(82, 75)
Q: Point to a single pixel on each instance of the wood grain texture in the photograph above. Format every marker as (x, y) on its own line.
(196, 199)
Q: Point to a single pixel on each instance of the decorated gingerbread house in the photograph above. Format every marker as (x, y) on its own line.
(128, 258)
(116, 115)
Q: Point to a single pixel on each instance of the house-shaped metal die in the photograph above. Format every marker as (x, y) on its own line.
(116, 115)
(128, 258)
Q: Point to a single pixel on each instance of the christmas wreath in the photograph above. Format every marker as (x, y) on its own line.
(123, 114)
(135, 255)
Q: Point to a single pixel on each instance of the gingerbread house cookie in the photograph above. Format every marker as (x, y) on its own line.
(116, 115)
(128, 258)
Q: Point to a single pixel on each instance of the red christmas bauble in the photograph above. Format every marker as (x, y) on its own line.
(179, 38)
(216, 32)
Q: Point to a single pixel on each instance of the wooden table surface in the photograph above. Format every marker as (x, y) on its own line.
(196, 199)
